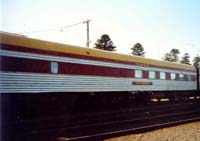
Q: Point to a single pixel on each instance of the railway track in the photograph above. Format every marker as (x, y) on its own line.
(117, 128)
(106, 135)
(97, 125)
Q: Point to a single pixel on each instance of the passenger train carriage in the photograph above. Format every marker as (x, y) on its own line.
(35, 67)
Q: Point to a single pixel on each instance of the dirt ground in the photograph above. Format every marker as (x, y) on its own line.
(186, 132)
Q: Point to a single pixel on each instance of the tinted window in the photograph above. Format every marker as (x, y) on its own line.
(152, 74)
(138, 73)
(181, 76)
(162, 75)
(189, 77)
(54, 67)
(173, 76)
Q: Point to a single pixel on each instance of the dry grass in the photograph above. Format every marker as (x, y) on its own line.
(186, 132)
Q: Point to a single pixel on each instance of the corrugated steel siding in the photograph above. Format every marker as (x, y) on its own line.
(34, 83)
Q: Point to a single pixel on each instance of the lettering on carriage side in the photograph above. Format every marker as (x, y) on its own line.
(142, 64)
(142, 83)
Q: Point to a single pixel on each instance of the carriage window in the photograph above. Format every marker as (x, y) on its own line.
(162, 75)
(152, 74)
(173, 76)
(189, 77)
(181, 76)
(138, 73)
(54, 67)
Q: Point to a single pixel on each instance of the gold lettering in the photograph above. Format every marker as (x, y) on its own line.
(142, 83)
(142, 64)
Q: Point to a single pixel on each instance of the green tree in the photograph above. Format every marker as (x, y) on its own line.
(185, 59)
(138, 50)
(105, 43)
(196, 61)
(172, 56)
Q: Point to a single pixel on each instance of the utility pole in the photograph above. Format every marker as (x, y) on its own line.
(88, 36)
(198, 77)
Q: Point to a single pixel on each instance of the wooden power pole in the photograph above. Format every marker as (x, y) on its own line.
(88, 33)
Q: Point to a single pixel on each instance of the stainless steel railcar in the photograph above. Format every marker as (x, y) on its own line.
(48, 71)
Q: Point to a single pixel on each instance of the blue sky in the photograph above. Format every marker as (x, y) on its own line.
(159, 25)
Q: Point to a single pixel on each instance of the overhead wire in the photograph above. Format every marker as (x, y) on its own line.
(51, 29)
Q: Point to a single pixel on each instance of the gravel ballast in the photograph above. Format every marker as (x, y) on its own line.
(186, 132)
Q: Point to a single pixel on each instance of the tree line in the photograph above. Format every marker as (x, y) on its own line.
(105, 43)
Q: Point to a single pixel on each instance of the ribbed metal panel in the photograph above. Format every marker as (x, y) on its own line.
(35, 83)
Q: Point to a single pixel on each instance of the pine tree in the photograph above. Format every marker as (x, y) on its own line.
(196, 61)
(172, 56)
(185, 59)
(105, 43)
(138, 50)
(168, 57)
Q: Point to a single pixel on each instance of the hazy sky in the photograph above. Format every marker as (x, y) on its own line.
(159, 25)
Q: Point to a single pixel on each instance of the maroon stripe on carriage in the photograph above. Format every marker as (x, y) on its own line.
(70, 55)
(40, 66)
(14, 64)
